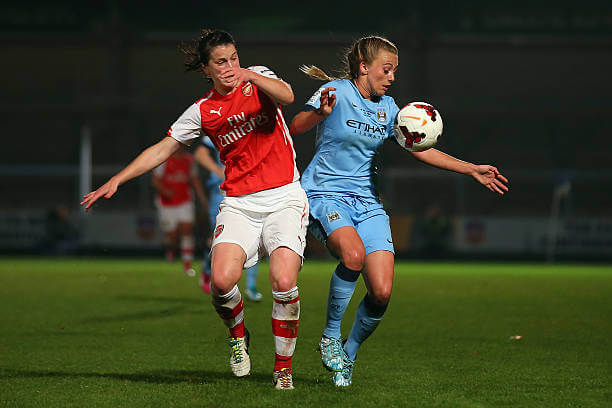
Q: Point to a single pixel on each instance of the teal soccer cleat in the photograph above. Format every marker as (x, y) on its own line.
(331, 353)
(344, 378)
(253, 295)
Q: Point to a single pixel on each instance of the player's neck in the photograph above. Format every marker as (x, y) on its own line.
(223, 91)
(362, 88)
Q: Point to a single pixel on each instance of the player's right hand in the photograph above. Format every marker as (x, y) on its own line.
(328, 101)
(106, 190)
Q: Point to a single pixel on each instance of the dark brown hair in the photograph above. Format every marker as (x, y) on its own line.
(198, 51)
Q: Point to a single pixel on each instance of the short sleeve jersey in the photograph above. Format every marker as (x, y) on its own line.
(248, 129)
(175, 174)
(347, 141)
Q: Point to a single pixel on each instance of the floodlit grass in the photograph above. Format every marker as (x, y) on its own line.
(139, 333)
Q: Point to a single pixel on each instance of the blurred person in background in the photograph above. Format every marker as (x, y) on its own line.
(264, 204)
(174, 180)
(61, 235)
(208, 157)
(353, 117)
(432, 233)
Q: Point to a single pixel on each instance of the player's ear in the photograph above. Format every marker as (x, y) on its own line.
(363, 68)
(205, 69)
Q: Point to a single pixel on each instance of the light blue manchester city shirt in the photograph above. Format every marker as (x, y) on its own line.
(347, 141)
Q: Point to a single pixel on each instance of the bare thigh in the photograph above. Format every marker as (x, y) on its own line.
(185, 228)
(227, 261)
(346, 244)
(284, 267)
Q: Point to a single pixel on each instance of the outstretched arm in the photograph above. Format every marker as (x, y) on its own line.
(306, 120)
(150, 158)
(485, 174)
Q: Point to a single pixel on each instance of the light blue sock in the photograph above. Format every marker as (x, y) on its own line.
(367, 318)
(341, 288)
(251, 278)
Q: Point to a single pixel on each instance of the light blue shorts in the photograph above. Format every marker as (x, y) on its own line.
(367, 216)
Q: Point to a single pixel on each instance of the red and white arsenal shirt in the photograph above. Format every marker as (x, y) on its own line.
(249, 131)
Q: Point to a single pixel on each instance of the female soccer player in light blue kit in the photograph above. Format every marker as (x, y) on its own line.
(353, 118)
(208, 157)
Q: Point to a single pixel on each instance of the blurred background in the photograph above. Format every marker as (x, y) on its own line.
(525, 87)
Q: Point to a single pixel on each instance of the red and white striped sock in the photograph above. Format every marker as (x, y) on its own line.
(230, 308)
(187, 247)
(285, 322)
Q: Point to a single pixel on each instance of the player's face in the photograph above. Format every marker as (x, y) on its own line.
(223, 59)
(381, 72)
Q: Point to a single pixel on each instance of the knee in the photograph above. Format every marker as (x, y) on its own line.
(354, 258)
(381, 295)
(221, 282)
(283, 282)
(284, 267)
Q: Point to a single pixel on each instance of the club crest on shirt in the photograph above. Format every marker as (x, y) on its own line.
(333, 216)
(381, 115)
(218, 230)
(247, 89)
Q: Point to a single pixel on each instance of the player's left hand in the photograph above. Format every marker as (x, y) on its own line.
(491, 178)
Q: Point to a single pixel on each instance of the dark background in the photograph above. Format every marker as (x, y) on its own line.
(523, 86)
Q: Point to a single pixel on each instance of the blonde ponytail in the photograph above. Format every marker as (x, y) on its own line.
(316, 73)
(364, 49)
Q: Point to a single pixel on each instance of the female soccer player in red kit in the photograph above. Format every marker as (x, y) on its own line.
(174, 180)
(264, 204)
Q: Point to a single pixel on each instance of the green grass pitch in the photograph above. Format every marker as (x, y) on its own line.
(139, 333)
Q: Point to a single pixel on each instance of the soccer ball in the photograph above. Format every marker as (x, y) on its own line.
(418, 126)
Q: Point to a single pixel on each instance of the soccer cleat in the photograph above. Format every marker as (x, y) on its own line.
(253, 295)
(240, 362)
(283, 379)
(344, 378)
(331, 353)
(205, 282)
(190, 272)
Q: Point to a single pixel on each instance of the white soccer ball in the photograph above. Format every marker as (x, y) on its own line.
(418, 126)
